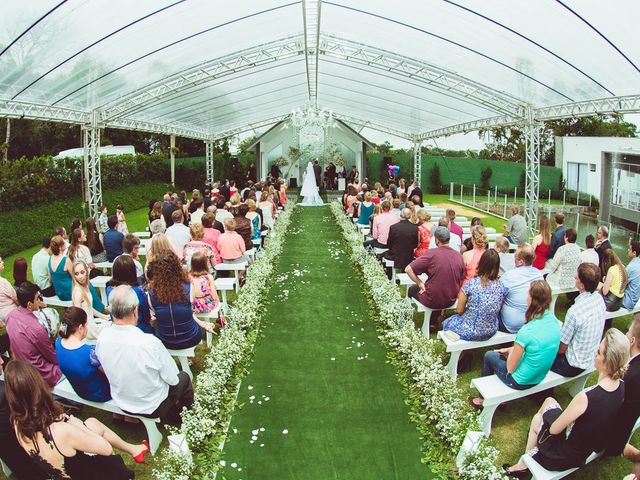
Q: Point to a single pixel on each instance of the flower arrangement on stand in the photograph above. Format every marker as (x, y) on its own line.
(438, 405)
(203, 426)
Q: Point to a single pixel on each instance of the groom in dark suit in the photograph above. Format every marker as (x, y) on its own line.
(317, 171)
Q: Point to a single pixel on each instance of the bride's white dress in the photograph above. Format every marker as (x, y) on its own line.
(309, 192)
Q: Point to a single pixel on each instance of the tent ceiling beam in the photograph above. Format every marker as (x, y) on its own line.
(204, 73)
(311, 13)
(33, 111)
(613, 105)
(432, 75)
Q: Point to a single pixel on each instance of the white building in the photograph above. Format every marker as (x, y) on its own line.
(276, 141)
(608, 168)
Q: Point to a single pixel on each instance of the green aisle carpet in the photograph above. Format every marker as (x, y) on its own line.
(320, 401)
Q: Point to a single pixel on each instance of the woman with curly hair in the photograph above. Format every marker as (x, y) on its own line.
(169, 292)
(159, 243)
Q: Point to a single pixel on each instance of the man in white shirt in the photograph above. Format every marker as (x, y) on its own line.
(40, 268)
(589, 254)
(143, 377)
(178, 233)
(196, 216)
(130, 246)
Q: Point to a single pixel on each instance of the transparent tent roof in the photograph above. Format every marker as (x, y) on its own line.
(416, 69)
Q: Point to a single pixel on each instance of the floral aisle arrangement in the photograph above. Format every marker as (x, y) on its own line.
(438, 405)
(203, 426)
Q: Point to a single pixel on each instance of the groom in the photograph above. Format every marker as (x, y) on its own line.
(317, 171)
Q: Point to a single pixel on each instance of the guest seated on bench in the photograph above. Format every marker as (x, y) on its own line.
(62, 445)
(562, 267)
(60, 269)
(614, 282)
(82, 298)
(144, 378)
(632, 292)
(583, 325)
(231, 245)
(77, 360)
(527, 363)
(169, 292)
(445, 270)
(29, 340)
(381, 225)
(124, 273)
(472, 257)
(518, 282)
(12, 454)
(559, 440)
(630, 410)
(507, 260)
(479, 302)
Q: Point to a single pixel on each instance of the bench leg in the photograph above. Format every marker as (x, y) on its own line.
(554, 299)
(452, 366)
(224, 296)
(155, 437)
(184, 365)
(486, 418)
(209, 337)
(427, 322)
(578, 385)
(236, 285)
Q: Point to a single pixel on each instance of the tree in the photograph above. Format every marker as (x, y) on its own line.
(246, 143)
(507, 143)
(385, 147)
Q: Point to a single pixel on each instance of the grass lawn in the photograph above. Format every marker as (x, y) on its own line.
(319, 385)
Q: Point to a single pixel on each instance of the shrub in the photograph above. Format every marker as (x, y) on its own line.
(436, 181)
(26, 227)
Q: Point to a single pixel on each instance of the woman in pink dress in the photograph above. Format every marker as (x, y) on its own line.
(472, 257)
(541, 243)
(424, 233)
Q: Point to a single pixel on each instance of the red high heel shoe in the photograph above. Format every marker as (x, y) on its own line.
(140, 457)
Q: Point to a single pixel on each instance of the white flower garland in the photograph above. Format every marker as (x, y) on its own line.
(440, 397)
(208, 415)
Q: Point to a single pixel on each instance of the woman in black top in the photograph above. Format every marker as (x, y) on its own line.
(64, 447)
(559, 440)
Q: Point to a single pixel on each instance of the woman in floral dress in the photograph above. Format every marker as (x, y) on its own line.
(479, 302)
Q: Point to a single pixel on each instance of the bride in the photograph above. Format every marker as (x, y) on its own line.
(309, 190)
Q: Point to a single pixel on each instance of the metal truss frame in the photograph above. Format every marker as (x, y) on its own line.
(91, 140)
(34, 111)
(209, 160)
(438, 78)
(311, 11)
(206, 72)
(613, 105)
(532, 130)
(417, 162)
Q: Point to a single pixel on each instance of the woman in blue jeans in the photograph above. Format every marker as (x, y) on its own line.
(527, 363)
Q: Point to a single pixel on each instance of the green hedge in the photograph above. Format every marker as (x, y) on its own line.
(23, 228)
(506, 175)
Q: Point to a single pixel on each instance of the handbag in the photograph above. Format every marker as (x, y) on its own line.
(547, 442)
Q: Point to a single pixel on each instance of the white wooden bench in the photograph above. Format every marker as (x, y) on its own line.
(427, 314)
(236, 268)
(455, 348)
(389, 264)
(379, 251)
(183, 357)
(100, 283)
(621, 312)
(142, 234)
(556, 292)
(223, 285)
(403, 279)
(105, 265)
(494, 392)
(65, 390)
(56, 302)
(538, 472)
(209, 317)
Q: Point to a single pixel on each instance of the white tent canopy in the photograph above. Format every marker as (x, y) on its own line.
(415, 69)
